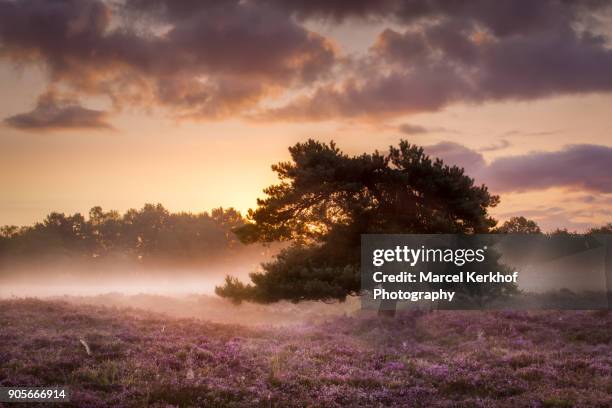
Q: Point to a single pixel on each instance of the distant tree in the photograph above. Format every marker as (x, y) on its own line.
(519, 225)
(107, 229)
(604, 229)
(9, 231)
(326, 199)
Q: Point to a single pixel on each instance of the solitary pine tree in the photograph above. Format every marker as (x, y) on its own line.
(326, 199)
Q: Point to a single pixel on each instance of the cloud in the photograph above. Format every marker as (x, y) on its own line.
(587, 167)
(457, 154)
(468, 52)
(532, 133)
(410, 129)
(54, 112)
(198, 59)
(418, 90)
(580, 167)
(336, 10)
(502, 144)
(504, 17)
(210, 59)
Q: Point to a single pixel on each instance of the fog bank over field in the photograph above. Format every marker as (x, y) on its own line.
(129, 282)
(173, 291)
(219, 310)
(183, 297)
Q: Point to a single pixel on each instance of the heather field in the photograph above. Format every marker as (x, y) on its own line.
(446, 359)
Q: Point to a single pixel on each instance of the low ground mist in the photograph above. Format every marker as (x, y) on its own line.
(177, 292)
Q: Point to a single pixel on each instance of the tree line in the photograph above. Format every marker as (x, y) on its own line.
(151, 234)
(324, 201)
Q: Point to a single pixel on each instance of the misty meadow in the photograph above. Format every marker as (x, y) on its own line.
(295, 334)
(186, 185)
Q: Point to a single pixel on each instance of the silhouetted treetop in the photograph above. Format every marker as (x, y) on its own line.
(404, 190)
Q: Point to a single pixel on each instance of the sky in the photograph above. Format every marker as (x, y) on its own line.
(188, 103)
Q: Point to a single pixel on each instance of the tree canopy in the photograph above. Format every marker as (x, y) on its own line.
(326, 199)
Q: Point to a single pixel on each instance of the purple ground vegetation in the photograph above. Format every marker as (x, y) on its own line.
(440, 358)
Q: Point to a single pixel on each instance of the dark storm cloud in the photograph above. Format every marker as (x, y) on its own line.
(474, 52)
(582, 167)
(201, 59)
(53, 112)
(503, 16)
(335, 9)
(422, 88)
(209, 59)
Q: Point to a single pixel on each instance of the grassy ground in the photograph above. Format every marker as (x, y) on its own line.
(452, 359)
